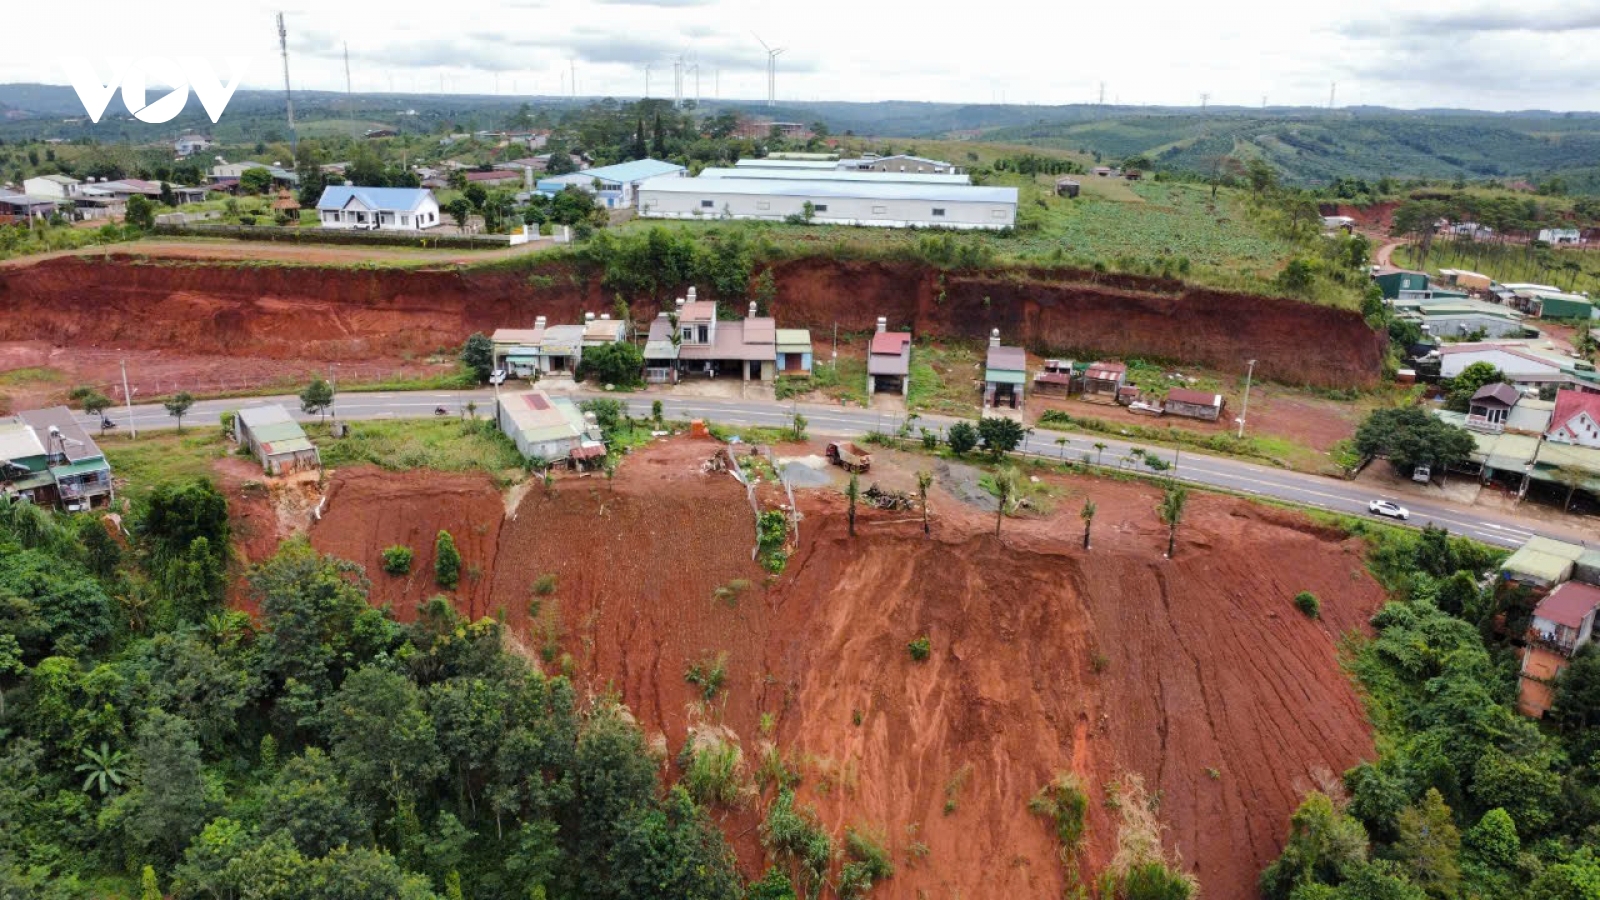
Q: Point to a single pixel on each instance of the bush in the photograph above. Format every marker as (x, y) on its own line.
(1065, 804)
(545, 584)
(447, 561)
(713, 774)
(621, 364)
(962, 438)
(1307, 602)
(920, 649)
(397, 559)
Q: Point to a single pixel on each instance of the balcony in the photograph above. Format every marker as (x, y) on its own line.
(1485, 425)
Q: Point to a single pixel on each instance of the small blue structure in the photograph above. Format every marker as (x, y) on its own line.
(613, 186)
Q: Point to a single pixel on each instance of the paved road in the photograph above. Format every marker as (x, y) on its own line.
(832, 421)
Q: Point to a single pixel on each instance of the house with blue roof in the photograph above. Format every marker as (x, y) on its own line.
(614, 187)
(377, 209)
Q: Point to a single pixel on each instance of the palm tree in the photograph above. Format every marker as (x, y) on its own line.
(1173, 499)
(1087, 515)
(853, 491)
(1099, 452)
(104, 768)
(1062, 443)
(1005, 484)
(924, 481)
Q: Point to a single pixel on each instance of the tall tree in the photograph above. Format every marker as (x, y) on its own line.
(1429, 847)
(478, 355)
(852, 492)
(659, 147)
(640, 149)
(1173, 499)
(317, 397)
(169, 804)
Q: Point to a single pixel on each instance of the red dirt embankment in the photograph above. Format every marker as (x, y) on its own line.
(372, 315)
(1045, 658)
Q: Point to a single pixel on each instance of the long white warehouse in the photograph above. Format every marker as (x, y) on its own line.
(883, 204)
(844, 175)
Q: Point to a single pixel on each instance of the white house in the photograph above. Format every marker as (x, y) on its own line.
(377, 209)
(615, 186)
(56, 187)
(1560, 235)
(1576, 419)
(883, 204)
(190, 144)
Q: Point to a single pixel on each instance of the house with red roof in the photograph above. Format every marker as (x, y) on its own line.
(1576, 419)
(1102, 381)
(1563, 623)
(889, 361)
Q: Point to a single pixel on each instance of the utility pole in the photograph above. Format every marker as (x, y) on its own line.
(127, 396)
(1102, 93)
(1332, 88)
(347, 90)
(288, 95)
(1245, 410)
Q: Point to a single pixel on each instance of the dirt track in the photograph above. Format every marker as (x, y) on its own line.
(1045, 658)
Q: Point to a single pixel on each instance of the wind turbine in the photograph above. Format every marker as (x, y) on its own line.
(772, 70)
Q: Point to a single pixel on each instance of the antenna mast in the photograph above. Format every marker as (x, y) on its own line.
(288, 96)
(347, 68)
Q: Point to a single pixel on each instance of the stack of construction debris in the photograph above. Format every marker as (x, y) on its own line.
(886, 499)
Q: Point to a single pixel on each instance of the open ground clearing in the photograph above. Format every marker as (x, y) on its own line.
(1197, 673)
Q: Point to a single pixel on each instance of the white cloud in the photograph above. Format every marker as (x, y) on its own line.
(1405, 53)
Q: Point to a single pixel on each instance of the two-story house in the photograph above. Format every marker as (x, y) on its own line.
(47, 458)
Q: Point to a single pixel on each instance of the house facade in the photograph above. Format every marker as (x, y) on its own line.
(377, 209)
(1102, 381)
(56, 187)
(744, 348)
(1490, 408)
(889, 361)
(275, 439)
(1576, 419)
(1205, 405)
(1005, 371)
(831, 202)
(794, 351)
(190, 144)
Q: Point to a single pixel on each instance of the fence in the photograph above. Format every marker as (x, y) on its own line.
(311, 235)
(354, 377)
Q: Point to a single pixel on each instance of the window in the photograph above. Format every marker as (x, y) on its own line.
(819, 207)
(997, 214)
(762, 204)
(880, 210)
(708, 204)
(938, 211)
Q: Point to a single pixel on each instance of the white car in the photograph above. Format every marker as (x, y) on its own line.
(1388, 508)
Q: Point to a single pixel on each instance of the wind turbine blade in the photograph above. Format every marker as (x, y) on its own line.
(761, 42)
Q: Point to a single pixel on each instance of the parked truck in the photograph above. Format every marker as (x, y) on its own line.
(849, 456)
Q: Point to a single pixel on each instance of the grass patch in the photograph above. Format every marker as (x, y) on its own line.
(842, 379)
(708, 674)
(1276, 450)
(162, 457)
(448, 446)
(33, 375)
(943, 378)
(749, 434)
(713, 773)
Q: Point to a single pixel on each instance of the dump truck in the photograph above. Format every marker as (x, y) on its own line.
(849, 456)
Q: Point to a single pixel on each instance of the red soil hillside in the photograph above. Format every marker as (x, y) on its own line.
(371, 316)
(1044, 658)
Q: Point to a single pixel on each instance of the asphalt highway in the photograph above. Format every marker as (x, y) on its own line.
(833, 421)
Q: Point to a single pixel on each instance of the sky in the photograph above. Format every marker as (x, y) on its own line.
(1528, 54)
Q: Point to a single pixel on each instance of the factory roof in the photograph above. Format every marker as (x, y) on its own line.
(873, 190)
(818, 165)
(638, 170)
(840, 175)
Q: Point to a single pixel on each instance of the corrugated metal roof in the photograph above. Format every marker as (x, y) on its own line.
(840, 175)
(794, 340)
(698, 311)
(947, 193)
(891, 342)
(1010, 359)
(730, 344)
(812, 164)
(603, 330)
(638, 170)
(1194, 398)
(277, 431)
(77, 446)
(1004, 376)
(18, 441)
(81, 468)
(256, 416)
(529, 337)
(760, 330)
(402, 199)
(561, 340)
(660, 350)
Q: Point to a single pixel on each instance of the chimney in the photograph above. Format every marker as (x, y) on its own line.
(538, 321)
(994, 338)
(883, 324)
(680, 304)
(752, 309)
(588, 317)
(605, 317)
(691, 294)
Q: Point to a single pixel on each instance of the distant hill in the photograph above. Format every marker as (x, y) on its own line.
(1305, 145)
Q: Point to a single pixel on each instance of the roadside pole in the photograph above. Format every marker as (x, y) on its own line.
(127, 396)
(1245, 411)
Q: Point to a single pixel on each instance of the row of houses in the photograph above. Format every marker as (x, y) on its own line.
(1520, 439)
(1462, 302)
(1526, 363)
(1565, 579)
(546, 350)
(47, 195)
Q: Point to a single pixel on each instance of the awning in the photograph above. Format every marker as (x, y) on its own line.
(589, 451)
(1001, 376)
(82, 468)
(36, 480)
